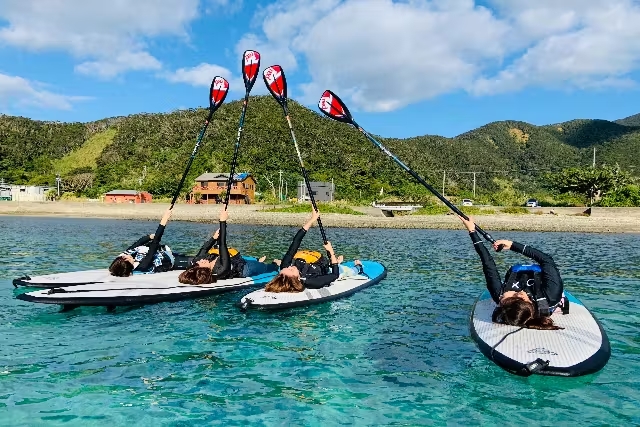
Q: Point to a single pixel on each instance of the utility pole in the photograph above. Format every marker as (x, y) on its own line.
(58, 183)
(444, 177)
(474, 184)
(594, 157)
(280, 186)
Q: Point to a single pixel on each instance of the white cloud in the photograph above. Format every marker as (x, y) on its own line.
(111, 36)
(200, 75)
(381, 55)
(18, 91)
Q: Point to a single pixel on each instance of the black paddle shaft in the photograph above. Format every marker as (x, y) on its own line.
(304, 171)
(193, 156)
(418, 178)
(236, 149)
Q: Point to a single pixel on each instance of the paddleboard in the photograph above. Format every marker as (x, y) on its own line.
(156, 288)
(86, 277)
(581, 348)
(342, 287)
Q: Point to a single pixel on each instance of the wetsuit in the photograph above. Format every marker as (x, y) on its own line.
(240, 267)
(222, 266)
(156, 259)
(552, 285)
(310, 274)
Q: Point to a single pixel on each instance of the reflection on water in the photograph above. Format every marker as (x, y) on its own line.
(396, 353)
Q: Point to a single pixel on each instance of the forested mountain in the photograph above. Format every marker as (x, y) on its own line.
(149, 151)
(630, 121)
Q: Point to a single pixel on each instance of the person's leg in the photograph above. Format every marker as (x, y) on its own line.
(256, 268)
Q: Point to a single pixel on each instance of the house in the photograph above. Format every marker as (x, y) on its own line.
(210, 188)
(322, 191)
(127, 196)
(25, 193)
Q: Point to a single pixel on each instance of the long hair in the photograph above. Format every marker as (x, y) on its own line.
(515, 311)
(197, 276)
(120, 267)
(282, 283)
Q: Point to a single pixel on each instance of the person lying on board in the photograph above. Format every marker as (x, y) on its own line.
(529, 294)
(147, 255)
(208, 265)
(306, 269)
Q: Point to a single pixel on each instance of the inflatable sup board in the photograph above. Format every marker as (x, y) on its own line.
(581, 348)
(156, 288)
(88, 277)
(342, 287)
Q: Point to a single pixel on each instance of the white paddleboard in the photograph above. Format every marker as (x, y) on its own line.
(581, 348)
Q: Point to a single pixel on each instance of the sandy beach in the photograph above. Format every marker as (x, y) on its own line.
(602, 220)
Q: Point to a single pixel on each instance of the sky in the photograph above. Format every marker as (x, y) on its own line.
(404, 68)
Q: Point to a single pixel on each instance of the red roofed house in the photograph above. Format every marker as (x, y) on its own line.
(127, 196)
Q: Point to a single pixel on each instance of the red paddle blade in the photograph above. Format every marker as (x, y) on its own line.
(250, 68)
(218, 92)
(276, 83)
(331, 105)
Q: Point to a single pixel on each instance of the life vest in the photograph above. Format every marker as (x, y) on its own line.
(216, 251)
(528, 278)
(311, 264)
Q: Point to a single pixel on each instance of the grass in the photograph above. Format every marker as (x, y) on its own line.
(86, 155)
(516, 210)
(432, 210)
(322, 207)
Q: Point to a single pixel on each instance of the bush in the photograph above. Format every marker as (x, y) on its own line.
(474, 210)
(626, 196)
(432, 210)
(322, 207)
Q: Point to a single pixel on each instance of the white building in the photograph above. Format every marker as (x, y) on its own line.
(28, 193)
(322, 191)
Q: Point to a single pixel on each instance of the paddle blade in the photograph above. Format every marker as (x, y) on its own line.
(218, 92)
(276, 83)
(331, 105)
(250, 68)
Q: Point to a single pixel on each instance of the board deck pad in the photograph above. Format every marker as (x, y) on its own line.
(581, 348)
(342, 287)
(156, 288)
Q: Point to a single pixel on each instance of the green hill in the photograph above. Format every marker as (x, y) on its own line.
(116, 151)
(630, 121)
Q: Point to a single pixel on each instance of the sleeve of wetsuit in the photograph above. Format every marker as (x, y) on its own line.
(551, 279)
(295, 245)
(145, 263)
(491, 275)
(204, 250)
(322, 281)
(140, 242)
(225, 259)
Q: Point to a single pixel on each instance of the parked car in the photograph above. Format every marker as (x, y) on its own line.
(467, 202)
(532, 203)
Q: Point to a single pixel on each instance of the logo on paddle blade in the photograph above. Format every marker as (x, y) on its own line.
(219, 89)
(275, 81)
(329, 105)
(250, 66)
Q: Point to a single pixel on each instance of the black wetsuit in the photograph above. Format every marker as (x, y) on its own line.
(312, 277)
(222, 267)
(552, 285)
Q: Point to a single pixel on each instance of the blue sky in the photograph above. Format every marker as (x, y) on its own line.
(404, 68)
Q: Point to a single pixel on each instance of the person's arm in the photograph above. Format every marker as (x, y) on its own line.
(491, 275)
(206, 247)
(551, 279)
(225, 259)
(141, 241)
(295, 244)
(145, 263)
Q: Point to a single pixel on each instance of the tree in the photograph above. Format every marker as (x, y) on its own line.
(593, 183)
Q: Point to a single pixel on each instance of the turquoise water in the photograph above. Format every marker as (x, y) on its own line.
(398, 353)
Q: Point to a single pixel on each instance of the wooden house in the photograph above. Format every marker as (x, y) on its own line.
(127, 196)
(210, 188)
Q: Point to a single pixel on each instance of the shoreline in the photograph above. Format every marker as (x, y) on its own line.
(623, 220)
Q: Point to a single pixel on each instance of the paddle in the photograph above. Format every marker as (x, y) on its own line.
(217, 94)
(331, 105)
(277, 84)
(250, 68)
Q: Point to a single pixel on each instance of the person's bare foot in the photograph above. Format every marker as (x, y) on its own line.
(277, 262)
(340, 259)
(262, 258)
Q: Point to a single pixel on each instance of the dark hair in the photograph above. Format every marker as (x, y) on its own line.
(515, 311)
(197, 275)
(120, 267)
(282, 283)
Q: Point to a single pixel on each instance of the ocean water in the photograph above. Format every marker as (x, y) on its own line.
(398, 353)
